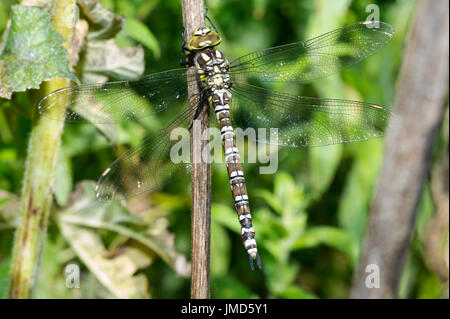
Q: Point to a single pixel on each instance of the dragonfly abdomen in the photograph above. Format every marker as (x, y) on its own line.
(220, 102)
(213, 69)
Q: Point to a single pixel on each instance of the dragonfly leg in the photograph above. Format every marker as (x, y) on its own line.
(185, 62)
(185, 59)
(212, 24)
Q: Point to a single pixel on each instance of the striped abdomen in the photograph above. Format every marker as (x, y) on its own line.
(213, 67)
(221, 102)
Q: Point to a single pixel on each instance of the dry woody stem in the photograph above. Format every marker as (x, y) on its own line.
(420, 97)
(193, 17)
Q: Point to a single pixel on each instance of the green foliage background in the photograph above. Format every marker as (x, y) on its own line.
(310, 217)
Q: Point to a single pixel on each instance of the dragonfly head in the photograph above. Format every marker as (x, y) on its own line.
(202, 38)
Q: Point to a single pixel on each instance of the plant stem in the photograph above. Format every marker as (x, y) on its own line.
(421, 91)
(193, 17)
(38, 180)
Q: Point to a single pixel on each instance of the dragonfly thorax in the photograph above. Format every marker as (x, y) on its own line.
(213, 68)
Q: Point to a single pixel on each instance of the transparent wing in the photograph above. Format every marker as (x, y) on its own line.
(298, 121)
(153, 162)
(314, 58)
(115, 102)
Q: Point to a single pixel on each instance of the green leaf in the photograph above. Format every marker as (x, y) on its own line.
(52, 278)
(296, 292)
(327, 17)
(324, 162)
(280, 276)
(170, 202)
(85, 211)
(103, 58)
(106, 59)
(268, 225)
(91, 114)
(116, 274)
(409, 276)
(33, 52)
(270, 199)
(220, 250)
(141, 33)
(83, 139)
(289, 194)
(227, 287)
(287, 198)
(105, 24)
(284, 186)
(225, 216)
(355, 199)
(425, 211)
(3, 202)
(331, 236)
(4, 277)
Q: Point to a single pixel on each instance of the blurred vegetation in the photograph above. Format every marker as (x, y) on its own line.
(310, 217)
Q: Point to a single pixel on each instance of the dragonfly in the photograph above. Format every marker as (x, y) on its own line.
(229, 89)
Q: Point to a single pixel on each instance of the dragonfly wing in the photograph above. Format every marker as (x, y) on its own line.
(115, 102)
(314, 58)
(299, 121)
(161, 157)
